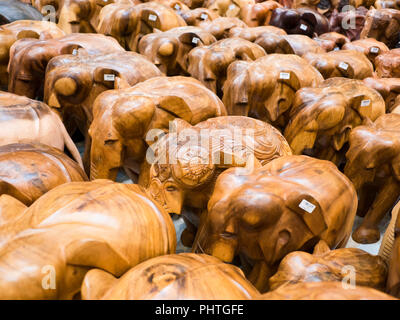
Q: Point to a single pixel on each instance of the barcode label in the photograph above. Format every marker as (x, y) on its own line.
(303, 27)
(343, 65)
(365, 103)
(204, 16)
(374, 50)
(195, 40)
(152, 17)
(177, 7)
(284, 75)
(109, 77)
(307, 206)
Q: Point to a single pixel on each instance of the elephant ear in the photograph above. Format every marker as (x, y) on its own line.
(345, 69)
(191, 39)
(177, 106)
(362, 104)
(71, 48)
(96, 284)
(290, 79)
(23, 34)
(309, 209)
(107, 77)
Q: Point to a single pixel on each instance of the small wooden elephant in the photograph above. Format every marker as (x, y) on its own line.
(26, 120)
(11, 10)
(373, 167)
(387, 65)
(171, 277)
(28, 171)
(322, 118)
(169, 50)
(126, 121)
(50, 246)
(198, 16)
(289, 204)
(331, 41)
(331, 265)
(228, 8)
(301, 44)
(29, 58)
(251, 34)
(265, 89)
(389, 88)
(220, 27)
(369, 46)
(343, 63)
(209, 64)
(258, 14)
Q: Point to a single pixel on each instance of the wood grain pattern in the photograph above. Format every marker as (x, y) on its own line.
(388, 64)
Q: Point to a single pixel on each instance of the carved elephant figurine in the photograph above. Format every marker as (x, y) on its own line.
(31, 121)
(343, 63)
(325, 290)
(258, 14)
(369, 46)
(275, 43)
(11, 10)
(387, 4)
(220, 27)
(73, 82)
(322, 118)
(251, 34)
(389, 88)
(126, 121)
(382, 25)
(325, 264)
(348, 22)
(182, 175)
(302, 44)
(197, 16)
(128, 24)
(372, 165)
(9, 33)
(209, 64)
(299, 21)
(387, 65)
(50, 246)
(29, 58)
(331, 41)
(228, 8)
(265, 89)
(289, 204)
(171, 277)
(178, 6)
(169, 50)
(29, 170)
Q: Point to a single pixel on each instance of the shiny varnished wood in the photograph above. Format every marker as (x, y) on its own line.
(387, 64)
(369, 46)
(220, 27)
(389, 88)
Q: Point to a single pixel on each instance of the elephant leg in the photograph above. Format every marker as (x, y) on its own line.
(366, 198)
(86, 153)
(368, 231)
(260, 275)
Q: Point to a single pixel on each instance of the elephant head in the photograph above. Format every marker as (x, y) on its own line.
(168, 50)
(265, 214)
(265, 88)
(196, 17)
(259, 14)
(220, 27)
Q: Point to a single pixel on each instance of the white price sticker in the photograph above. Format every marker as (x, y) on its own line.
(365, 103)
(284, 75)
(303, 27)
(152, 17)
(374, 49)
(307, 206)
(336, 49)
(231, 7)
(343, 65)
(204, 16)
(109, 77)
(195, 40)
(75, 52)
(177, 7)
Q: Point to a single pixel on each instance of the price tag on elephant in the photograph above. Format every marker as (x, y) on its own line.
(307, 206)
(231, 7)
(284, 75)
(109, 77)
(343, 65)
(195, 40)
(74, 52)
(303, 27)
(365, 103)
(177, 7)
(336, 49)
(374, 50)
(204, 16)
(152, 17)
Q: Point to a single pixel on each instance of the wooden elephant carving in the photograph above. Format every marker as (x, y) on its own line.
(169, 50)
(369, 46)
(209, 64)
(128, 24)
(171, 277)
(251, 34)
(382, 25)
(387, 65)
(302, 44)
(258, 14)
(299, 21)
(30, 170)
(387, 4)
(29, 58)
(11, 10)
(9, 33)
(331, 265)
(198, 16)
(265, 89)
(76, 227)
(389, 88)
(178, 6)
(373, 167)
(183, 174)
(342, 63)
(126, 121)
(31, 121)
(322, 118)
(289, 204)
(228, 8)
(349, 23)
(220, 27)
(331, 41)
(325, 290)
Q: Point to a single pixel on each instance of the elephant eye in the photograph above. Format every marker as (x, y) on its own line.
(171, 188)
(111, 141)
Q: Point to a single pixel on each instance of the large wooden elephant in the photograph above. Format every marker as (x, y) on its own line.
(209, 64)
(126, 121)
(128, 23)
(197, 16)
(185, 276)
(9, 33)
(50, 246)
(369, 46)
(220, 27)
(169, 50)
(11, 10)
(29, 58)
(342, 63)
(289, 204)
(183, 174)
(389, 88)
(348, 22)
(373, 167)
(29, 170)
(265, 89)
(387, 65)
(26, 120)
(382, 25)
(322, 118)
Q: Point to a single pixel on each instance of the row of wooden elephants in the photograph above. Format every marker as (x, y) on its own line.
(268, 140)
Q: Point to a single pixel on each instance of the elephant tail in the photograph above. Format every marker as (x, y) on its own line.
(385, 250)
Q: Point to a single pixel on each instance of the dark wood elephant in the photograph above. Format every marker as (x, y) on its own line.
(349, 22)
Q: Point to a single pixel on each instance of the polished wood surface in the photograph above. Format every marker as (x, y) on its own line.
(388, 64)
(196, 17)
(184, 276)
(230, 8)
(258, 14)
(331, 40)
(220, 27)
(389, 89)
(369, 46)
(251, 34)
